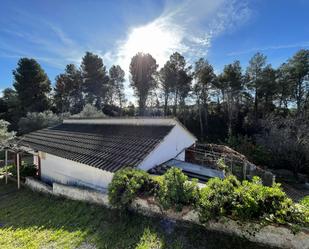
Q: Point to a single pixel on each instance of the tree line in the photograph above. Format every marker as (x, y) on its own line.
(234, 106)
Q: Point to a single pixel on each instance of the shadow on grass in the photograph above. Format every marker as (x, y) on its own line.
(36, 220)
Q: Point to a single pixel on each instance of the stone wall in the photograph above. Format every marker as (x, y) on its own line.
(271, 235)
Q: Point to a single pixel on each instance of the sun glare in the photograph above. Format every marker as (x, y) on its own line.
(158, 39)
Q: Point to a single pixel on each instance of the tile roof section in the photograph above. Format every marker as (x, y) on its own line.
(104, 146)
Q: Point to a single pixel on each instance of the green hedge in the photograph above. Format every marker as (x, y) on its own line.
(229, 197)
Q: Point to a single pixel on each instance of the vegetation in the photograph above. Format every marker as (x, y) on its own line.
(248, 201)
(30, 220)
(128, 184)
(38, 120)
(26, 169)
(5, 135)
(244, 107)
(176, 191)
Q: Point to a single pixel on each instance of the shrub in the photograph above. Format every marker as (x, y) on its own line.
(127, 184)
(305, 201)
(176, 191)
(217, 198)
(249, 201)
(25, 170)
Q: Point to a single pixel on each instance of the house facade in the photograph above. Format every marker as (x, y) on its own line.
(87, 152)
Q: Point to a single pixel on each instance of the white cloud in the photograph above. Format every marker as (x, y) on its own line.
(275, 47)
(188, 27)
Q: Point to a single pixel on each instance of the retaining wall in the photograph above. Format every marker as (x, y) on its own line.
(272, 235)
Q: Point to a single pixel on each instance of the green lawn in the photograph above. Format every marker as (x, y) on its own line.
(33, 220)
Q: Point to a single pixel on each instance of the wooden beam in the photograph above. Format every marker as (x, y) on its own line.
(6, 164)
(18, 168)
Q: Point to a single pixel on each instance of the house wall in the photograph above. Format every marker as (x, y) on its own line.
(60, 170)
(173, 146)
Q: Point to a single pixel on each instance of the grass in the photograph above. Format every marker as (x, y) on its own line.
(33, 220)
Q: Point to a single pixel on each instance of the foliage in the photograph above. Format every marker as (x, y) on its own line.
(175, 81)
(116, 88)
(127, 184)
(216, 198)
(32, 86)
(26, 169)
(248, 201)
(68, 90)
(288, 141)
(95, 83)
(143, 68)
(90, 111)
(256, 153)
(38, 120)
(5, 135)
(176, 191)
(305, 201)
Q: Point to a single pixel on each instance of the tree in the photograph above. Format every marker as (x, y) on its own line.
(143, 68)
(5, 135)
(204, 80)
(68, 90)
(254, 76)
(95, 79)
(166, 78)
(268, 89)
(37, 120)
(298, 68)
(284, 89)
(90, 111)
(10, 108)
(175, 81)
(116, 80)
(32, 86)
(231, 83)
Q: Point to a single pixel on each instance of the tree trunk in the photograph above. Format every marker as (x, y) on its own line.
(200, 119)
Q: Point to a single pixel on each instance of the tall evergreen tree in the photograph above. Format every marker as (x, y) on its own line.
(205, 78)
(68, 90)
(254, 76)
(116, 87)
(298, 67)
(143, 68)
(175, 80)
(95, 79)
(231, 83)
(32, 86)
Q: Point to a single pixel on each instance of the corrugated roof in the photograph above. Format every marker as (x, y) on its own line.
(105, 146)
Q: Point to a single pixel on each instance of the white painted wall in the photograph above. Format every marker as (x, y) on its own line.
(172, 146)
(60, 170)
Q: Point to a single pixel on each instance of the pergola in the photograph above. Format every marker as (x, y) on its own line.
(18, 151)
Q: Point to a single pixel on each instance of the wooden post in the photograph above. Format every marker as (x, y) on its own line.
(5, 165)
(244, 170)
(18, 166)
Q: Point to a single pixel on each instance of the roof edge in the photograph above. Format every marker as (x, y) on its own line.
(123, 121)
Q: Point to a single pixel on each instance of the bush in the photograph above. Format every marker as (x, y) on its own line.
(25, 170)
(176, 191)
(217, 198)
(127, 184)
(249, 201)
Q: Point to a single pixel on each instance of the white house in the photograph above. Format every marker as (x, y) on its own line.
(87, 152)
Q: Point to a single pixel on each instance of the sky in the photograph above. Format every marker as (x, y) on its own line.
(57, 33)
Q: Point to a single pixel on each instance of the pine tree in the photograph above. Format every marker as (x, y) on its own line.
(32, 86)
(95, 79)
(143, 68)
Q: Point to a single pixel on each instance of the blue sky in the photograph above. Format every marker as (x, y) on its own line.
(59, 32)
